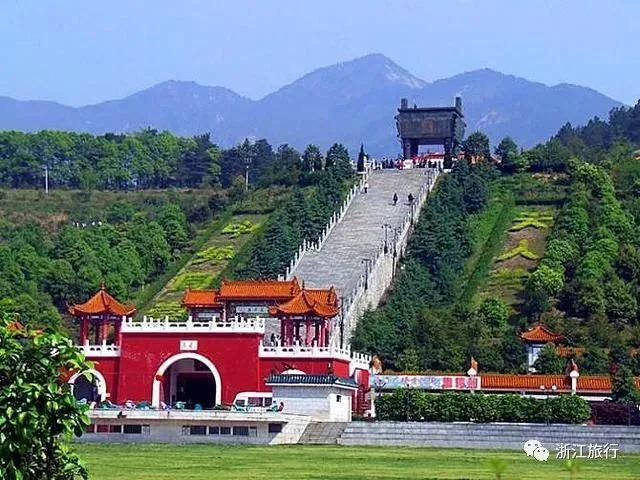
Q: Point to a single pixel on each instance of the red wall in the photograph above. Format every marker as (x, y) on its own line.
(307, 365)
(234, 355)
(109, 368)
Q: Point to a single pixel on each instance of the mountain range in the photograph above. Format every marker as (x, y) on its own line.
(349, 102)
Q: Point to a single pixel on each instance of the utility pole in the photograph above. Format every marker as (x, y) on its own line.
(246, 177)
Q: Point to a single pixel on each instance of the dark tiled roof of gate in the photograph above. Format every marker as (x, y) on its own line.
(311, 380)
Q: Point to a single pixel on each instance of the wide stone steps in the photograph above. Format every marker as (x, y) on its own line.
(487, 436)
(339, 262)
(325, 433)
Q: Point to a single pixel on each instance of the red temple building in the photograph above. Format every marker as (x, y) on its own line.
(234, 339)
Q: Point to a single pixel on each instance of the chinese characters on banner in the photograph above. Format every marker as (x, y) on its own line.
(424, 382)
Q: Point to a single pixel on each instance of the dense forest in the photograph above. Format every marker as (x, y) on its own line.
(586, 286)
(149, 159)
(127, 243)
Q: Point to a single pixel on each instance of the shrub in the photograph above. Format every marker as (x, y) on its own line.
(507, 277)
(214, 254)
(236, 229)
(172, 309)
(613, 413)
(568, 409)
(198, 212)
(541, 220)
(195, 280)
(521, 249)
(415, 405)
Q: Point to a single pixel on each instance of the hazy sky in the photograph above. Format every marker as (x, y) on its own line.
(79, 51)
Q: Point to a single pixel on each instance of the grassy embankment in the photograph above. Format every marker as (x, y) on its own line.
(509, 236)
(61, 206)
(294, 462)
(213, 250)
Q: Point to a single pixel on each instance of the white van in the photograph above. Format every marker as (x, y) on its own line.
(253, 401)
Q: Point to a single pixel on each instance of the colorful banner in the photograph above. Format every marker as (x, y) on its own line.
(424, 382)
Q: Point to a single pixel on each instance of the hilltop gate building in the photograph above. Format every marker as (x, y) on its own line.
(430, 126)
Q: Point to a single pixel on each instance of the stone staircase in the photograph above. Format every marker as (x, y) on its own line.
(322, 433)
(360, 233)
(359, 253)
(488, 436)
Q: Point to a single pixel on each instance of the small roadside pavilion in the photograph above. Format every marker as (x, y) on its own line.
(305, 319)
(101, 318)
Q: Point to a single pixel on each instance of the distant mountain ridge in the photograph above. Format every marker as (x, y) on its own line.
(349, 102)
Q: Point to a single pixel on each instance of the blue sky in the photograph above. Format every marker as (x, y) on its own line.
(80, 52)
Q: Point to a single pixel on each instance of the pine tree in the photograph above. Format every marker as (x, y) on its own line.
(361, 158)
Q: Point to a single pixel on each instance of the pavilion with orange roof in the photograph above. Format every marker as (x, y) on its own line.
(100, 316)
(536, 338)
(304, 314)
(311, 309)
(239, 298)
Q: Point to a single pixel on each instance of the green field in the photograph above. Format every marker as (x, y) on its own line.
(195, 462)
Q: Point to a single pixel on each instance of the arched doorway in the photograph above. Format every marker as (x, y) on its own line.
(91, 389)
(190, 378)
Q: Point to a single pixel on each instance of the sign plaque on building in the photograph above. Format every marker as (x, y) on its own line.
(188, 345)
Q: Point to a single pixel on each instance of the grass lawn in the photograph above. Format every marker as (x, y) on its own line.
(195, 462)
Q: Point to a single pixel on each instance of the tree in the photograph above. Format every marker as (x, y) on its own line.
(494, 313)
(542, 284)
(507, 150)
(621, 305)
(594, 361)
(624, 387)
(549, 361)
(312, 159)
(476, 193)
(409, 360)
(476, 147)
(174, 223)
(361, 159)
(195, 164)
(338, 159)
(39, 410)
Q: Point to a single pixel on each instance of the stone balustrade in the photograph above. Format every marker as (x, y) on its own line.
(301, 351)
(215, 325)
(381, 272)
(335, 219)
(102, 350)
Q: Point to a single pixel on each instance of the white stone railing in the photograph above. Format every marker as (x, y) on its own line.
(360, 360)
(216, 325)
(353, 303)
(102, 350)
(335, 219)
(303, 351)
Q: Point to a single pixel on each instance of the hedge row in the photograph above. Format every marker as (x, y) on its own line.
(418, 406)
(612, 413)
